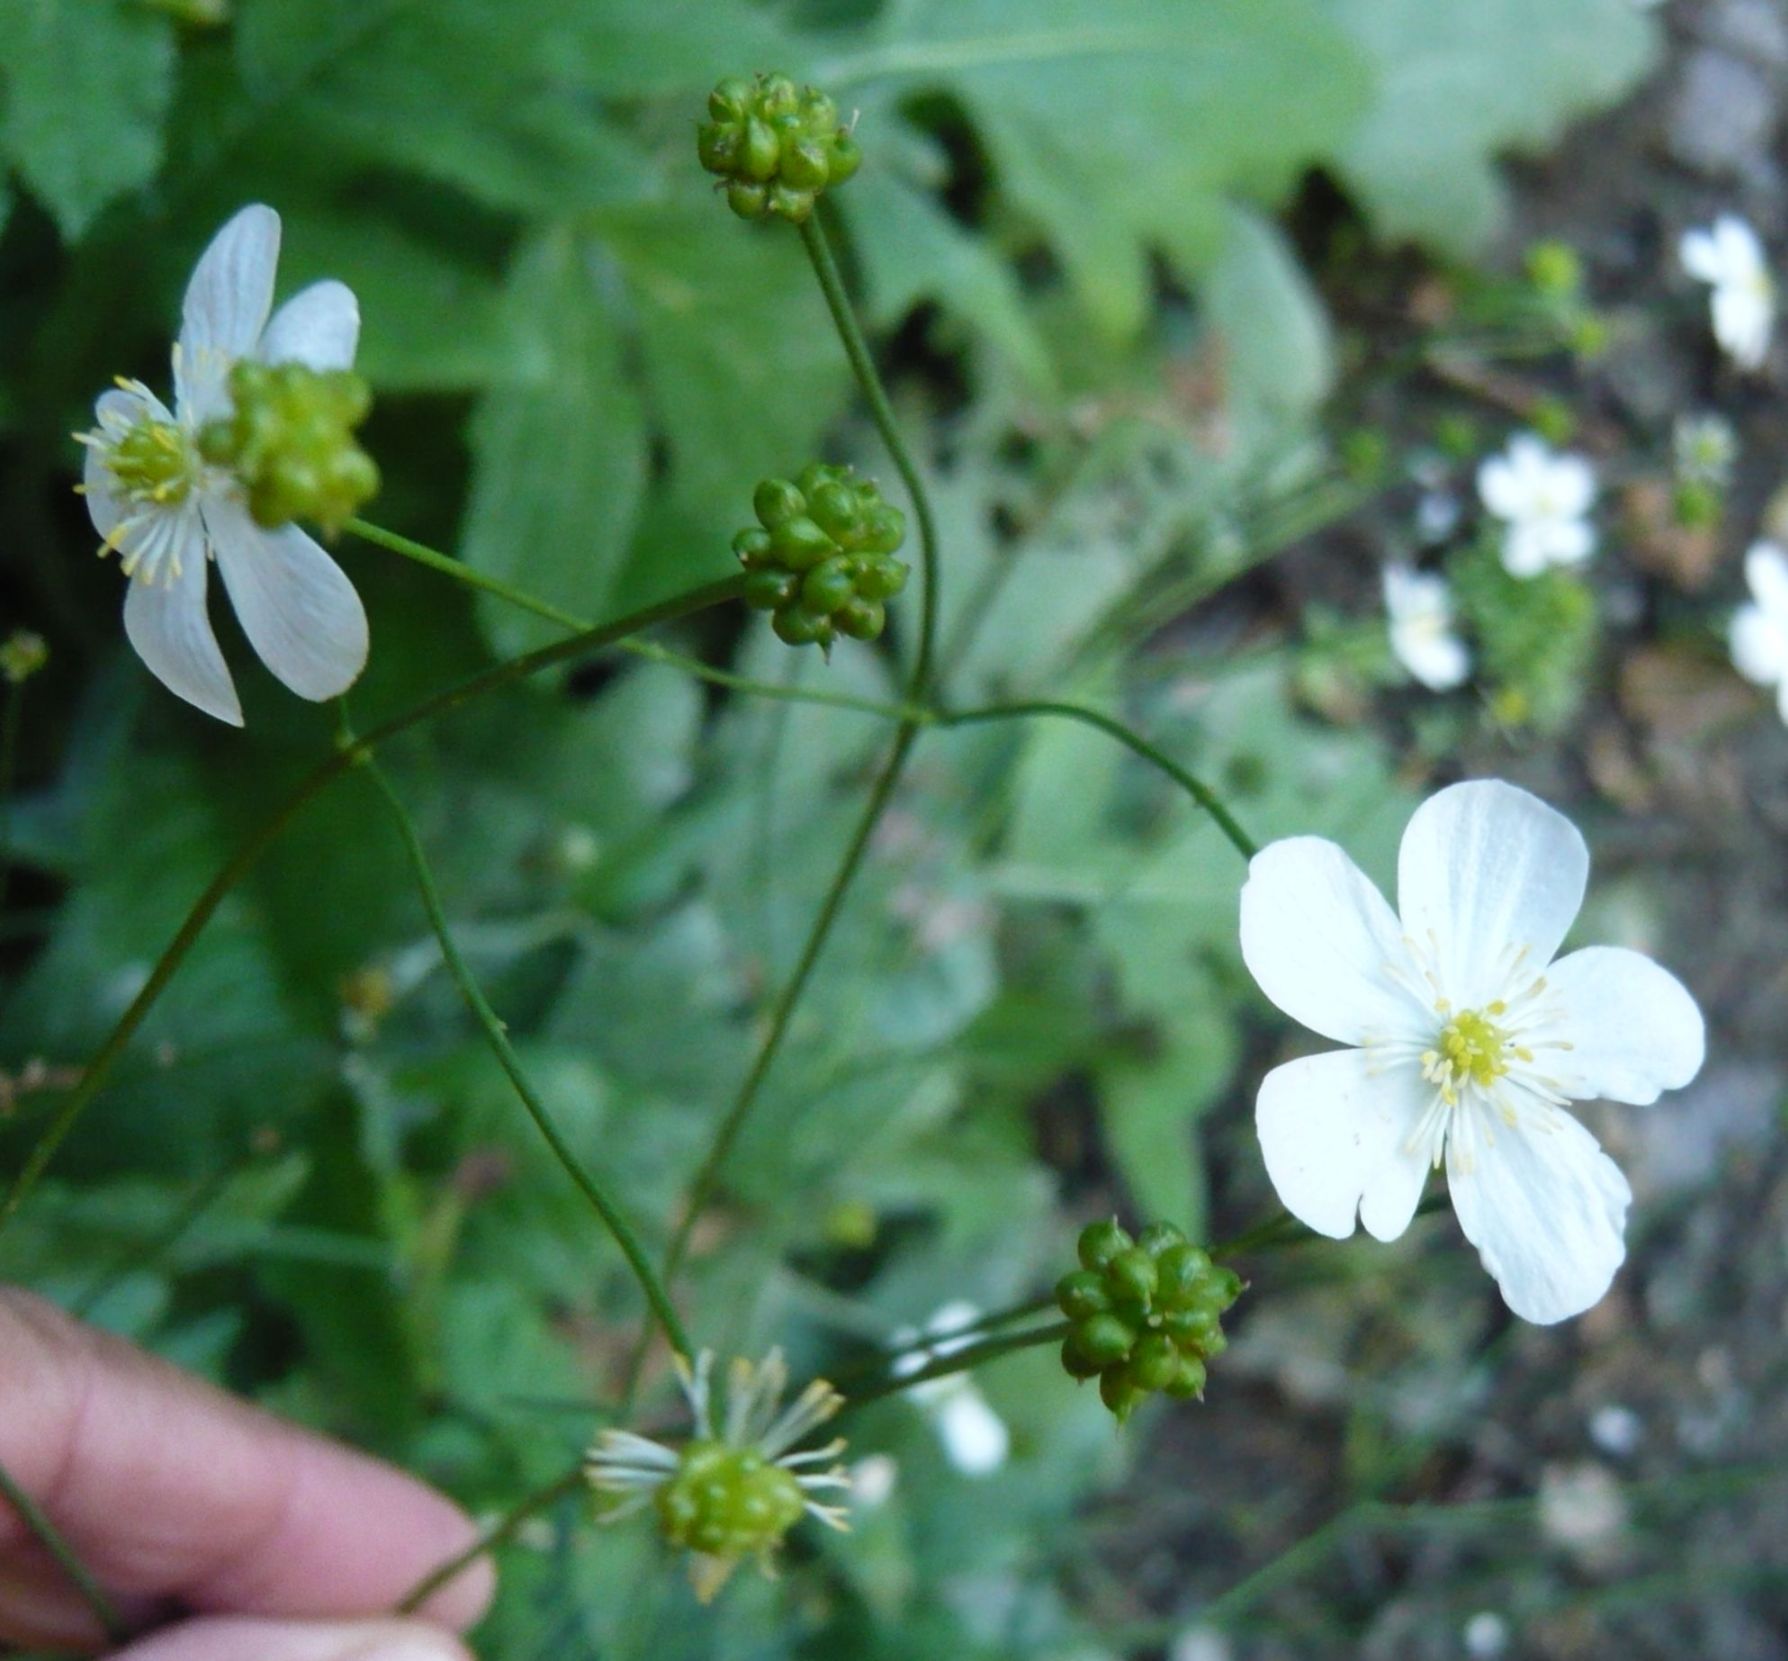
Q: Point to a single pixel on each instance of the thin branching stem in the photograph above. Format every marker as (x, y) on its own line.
(307, 789)
(606, 1207)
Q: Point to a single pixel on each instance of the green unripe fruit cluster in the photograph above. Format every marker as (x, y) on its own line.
(821, 556)
(289, 439)
(1145, 1314)
(727, 1502)
(775, 145)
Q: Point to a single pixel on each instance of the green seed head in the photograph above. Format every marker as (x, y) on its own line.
(814, 530)
(727, 1502)
(775, 147)
(289, 440)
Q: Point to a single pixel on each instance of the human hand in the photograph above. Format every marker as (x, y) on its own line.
(184, 1502)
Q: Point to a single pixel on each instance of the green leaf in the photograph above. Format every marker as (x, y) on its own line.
(457, 90)
(431, 322)
(1118, 131)
(743, 373)
(559, 455)
(88, 84)
(912, 251)
(1458, 84)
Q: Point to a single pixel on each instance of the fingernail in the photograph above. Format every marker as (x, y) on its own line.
(405, 1641)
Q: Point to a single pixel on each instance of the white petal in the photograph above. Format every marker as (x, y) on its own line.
(1334, 1128)
(166, 623)
(1700, 256)
(296, 606)
(1633, 1028)
(1524, 550)
(1486, 870)
(1759, 644)
(1737, 249)
(1572, 487)
(1742, 320)
(226, 307)
(318, 327)
(1782, 699)
(1766, 571)
(975, 1437)
(1501, 489)
(1319, 938)
(1437, 659)
(1566, 541)
(1543, 1204)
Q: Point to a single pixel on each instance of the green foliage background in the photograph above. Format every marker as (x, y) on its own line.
(1117, 368)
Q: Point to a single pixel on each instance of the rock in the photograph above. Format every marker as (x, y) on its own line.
(1723, 115)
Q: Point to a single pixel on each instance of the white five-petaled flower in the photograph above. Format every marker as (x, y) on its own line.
(1421, 617)
(1729, 258)
(168, 513)
(1760, 629)
(1543, 500)
(1468, 1040)
(975, 1437)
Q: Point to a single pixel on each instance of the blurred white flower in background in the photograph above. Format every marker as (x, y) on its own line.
(1486, 1636)
(1759, 633)
(873, 1479)
(1420, 606)
(1469, 1041)
(1705, 448)
(167, 512)
(1200, 1643)
(1616, 1429)
(975, 1437)
(1728, 257)
(1543, 500)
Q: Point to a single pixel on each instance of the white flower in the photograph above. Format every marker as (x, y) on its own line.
(1760, 630)
(1469, 1040)
(1486, 1635)
(1705, 447)
(975, 1437)
(167, 512)
(1544, 500)
(1421, 612)
(735, 1488)
(1729, 257)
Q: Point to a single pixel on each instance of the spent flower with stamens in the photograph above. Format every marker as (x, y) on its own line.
(1543, 500)
(1759, 634)
(1469, 1041)
(168, 509)
(737, 1486)
(1729, 258)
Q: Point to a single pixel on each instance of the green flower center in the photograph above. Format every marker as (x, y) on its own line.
(1471, 1049)
(153, 463)
(727, 1502)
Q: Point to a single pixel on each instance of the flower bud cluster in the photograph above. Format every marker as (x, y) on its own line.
(821, 557)
(1144, 1314)
(290, 440)
(777, 146)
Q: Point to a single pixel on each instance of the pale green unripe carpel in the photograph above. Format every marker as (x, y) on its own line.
(775, 146)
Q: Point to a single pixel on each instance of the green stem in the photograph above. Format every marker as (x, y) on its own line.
(79, 1576)
(11, 720)
(495, 1034)
(143, 1254)
(960, 1361)
(701, 1187)
(1283, 1229)
(1195, 788)
(499, 1533)
(460, 572)
(856, 348)
(440, 703)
